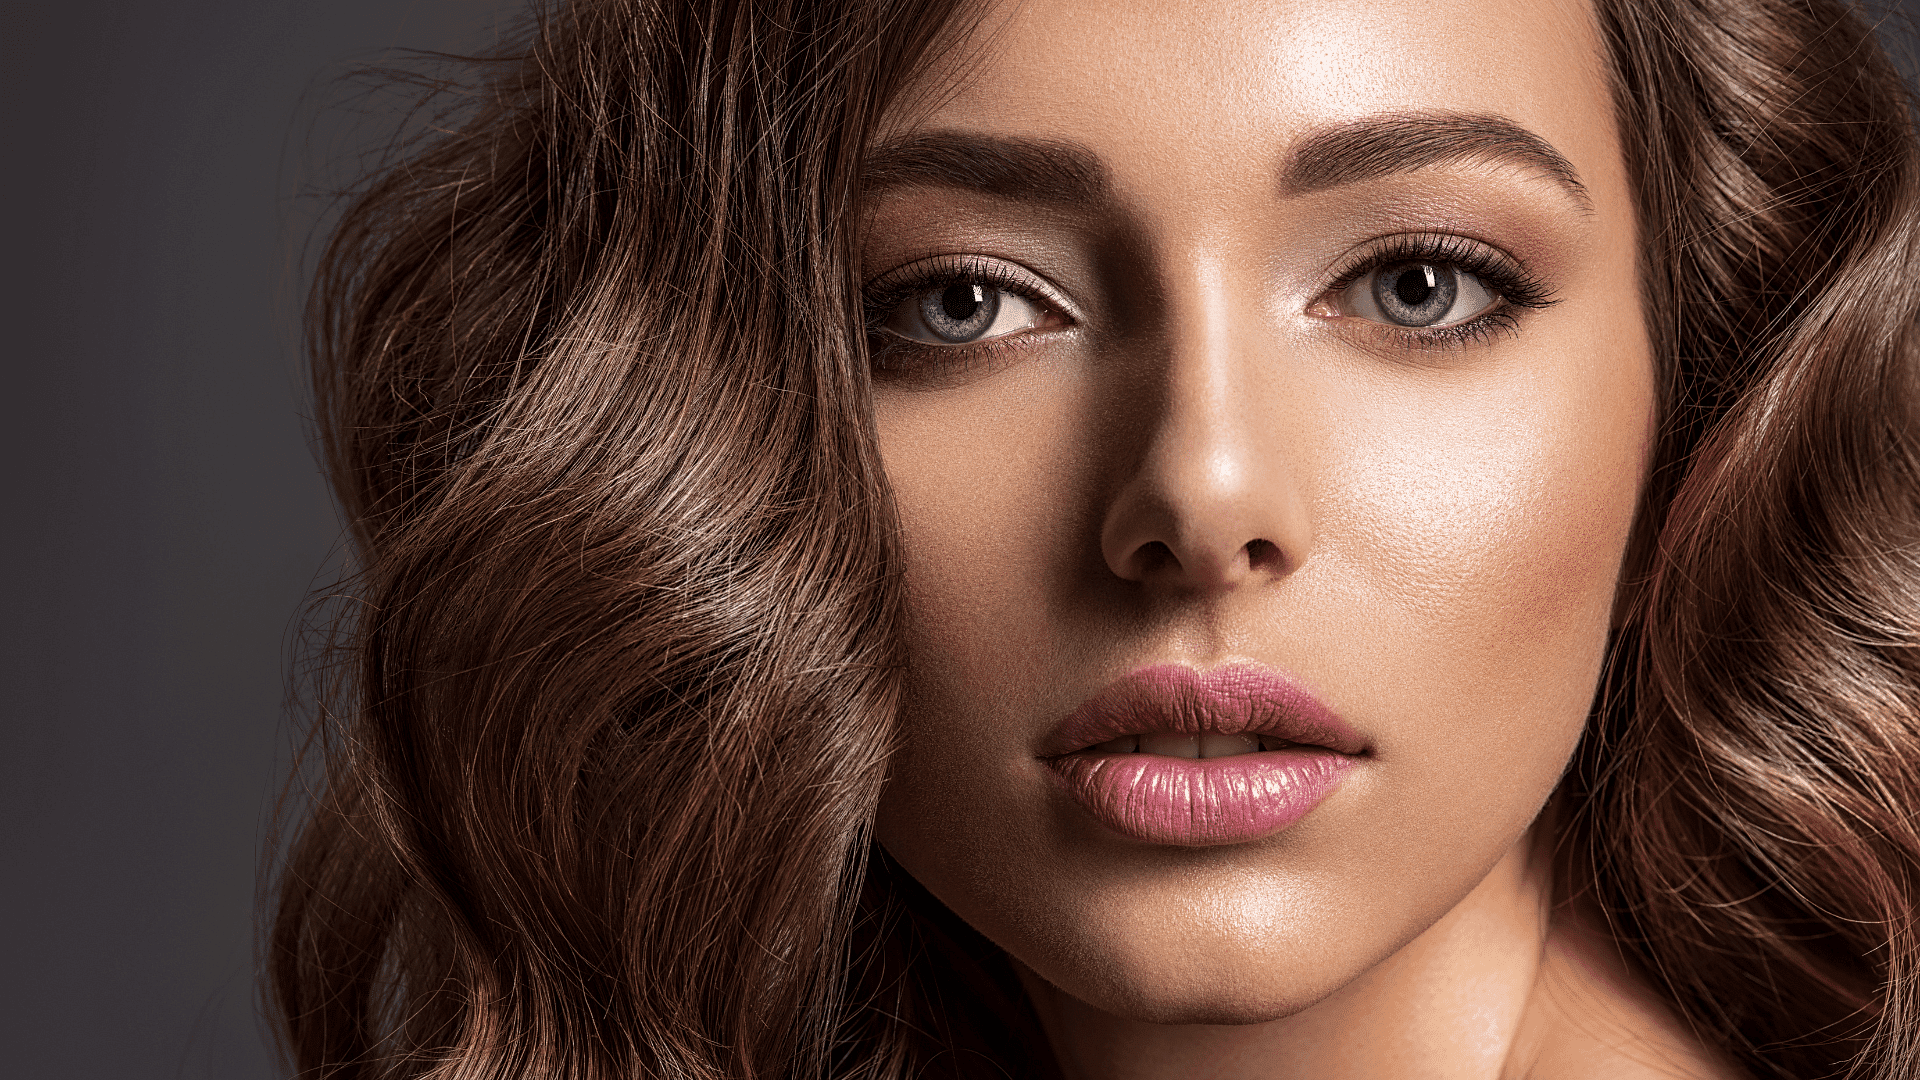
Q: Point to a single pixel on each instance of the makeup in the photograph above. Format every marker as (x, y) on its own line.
(1171, 755)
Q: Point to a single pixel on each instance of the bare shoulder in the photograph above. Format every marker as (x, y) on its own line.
(1591, 1018)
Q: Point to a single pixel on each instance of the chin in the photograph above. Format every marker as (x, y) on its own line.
(1197, 982)
(1211, 1008)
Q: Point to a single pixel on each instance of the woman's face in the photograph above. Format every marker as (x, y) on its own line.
(1265, 382)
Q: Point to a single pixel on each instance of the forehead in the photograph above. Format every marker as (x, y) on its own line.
(1186, 92)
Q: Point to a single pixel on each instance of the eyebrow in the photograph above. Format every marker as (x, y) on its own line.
(1040, 170)
(1380, 146)
(1012, 168)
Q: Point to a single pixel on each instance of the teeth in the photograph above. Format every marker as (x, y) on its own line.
(1209, 745)
(1171, 745)
(1213, 744)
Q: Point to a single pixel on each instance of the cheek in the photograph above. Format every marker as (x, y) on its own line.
(1478, 540)
(1507, 514)
(1466, 542)
(995, 517)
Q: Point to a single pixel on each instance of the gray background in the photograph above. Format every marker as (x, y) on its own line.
(164, 518)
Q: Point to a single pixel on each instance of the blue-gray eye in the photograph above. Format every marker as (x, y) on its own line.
(962, 313)
(1418, 294)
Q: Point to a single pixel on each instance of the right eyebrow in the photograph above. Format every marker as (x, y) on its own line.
(1379, 146)
(1011, 168)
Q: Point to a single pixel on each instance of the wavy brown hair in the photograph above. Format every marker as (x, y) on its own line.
(609, 708)
(1747, 796)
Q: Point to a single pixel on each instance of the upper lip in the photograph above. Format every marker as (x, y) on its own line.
(1233, 699)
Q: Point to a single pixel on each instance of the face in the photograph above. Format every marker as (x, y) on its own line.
(1265, 382)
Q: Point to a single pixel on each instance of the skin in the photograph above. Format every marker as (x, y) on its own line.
(1199, 452)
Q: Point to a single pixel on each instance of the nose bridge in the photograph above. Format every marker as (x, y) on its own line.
(1210, 503)
(1198, 454)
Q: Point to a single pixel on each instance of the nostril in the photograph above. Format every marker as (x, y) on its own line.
(1155, 556)
(1265, 555)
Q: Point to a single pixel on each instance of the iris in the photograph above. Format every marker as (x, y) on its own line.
(1416, 294)
(960, 313)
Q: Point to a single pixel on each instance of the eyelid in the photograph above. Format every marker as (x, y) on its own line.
(890, 288)
(1517, 287)
(1502, 272)
(911, 363)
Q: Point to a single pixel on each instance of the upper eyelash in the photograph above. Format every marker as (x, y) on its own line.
(1504, 274)
(889, 290)
(886, 292)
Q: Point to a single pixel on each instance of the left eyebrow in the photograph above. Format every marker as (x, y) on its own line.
(1036, 170)
(1380, 146)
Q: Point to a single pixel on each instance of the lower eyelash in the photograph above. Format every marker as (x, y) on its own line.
(890, 354)
(900, 357)
(1510, 281)
(1500, 321)
(889, 290)
(1516, 287)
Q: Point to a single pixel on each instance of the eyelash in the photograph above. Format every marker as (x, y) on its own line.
(1507, 278)
(889, 290)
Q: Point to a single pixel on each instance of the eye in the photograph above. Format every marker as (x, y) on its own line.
(962, 313)
(1417, 293)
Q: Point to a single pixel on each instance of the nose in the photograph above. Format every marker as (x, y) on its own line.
(1213, 500)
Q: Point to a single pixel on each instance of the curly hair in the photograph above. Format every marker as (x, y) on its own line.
(607, 714)
(1747, 793)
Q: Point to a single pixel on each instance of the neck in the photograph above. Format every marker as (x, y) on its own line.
(1500, 988)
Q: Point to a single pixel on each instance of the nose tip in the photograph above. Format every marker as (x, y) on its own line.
(1211, 491)
(1211, 504)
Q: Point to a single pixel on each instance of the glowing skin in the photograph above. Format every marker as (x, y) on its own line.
(1199, 442)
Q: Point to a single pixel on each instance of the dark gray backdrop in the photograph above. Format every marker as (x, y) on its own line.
(163, 516)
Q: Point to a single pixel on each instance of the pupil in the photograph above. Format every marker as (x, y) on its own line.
(960, 313)
(1415, 285)
(961, 301)
(1416, 293)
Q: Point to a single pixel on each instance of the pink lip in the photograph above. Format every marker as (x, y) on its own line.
(1202, 801)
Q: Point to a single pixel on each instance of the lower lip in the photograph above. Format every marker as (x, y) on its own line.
(1201, 802)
